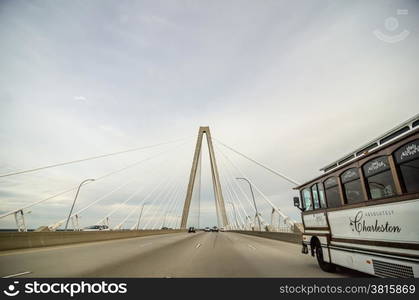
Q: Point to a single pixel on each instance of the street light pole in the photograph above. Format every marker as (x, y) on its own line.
(139, 217)
(74, 201)
(254, 201)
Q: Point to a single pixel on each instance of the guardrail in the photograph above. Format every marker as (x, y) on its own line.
(290, 237)
(21, 240)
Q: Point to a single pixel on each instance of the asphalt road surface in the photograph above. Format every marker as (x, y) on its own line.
(202, 254)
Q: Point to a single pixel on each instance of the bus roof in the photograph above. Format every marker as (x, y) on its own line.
(395, 133)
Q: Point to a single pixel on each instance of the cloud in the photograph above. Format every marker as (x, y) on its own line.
(80, 98)
(155, 20)
(292, 91)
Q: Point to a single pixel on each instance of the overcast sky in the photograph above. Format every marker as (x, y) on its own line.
(293, 84)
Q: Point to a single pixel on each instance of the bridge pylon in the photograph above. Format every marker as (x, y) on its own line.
(219, 200)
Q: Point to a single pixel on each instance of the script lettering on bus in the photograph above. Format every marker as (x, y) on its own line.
(376, 165)
(359, 224)
(410, 150)
(349, 174)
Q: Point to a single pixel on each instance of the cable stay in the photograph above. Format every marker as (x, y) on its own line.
(230, 190)
(172, 196)
(229, 186)
(158, 186)
(21, 209)
(295, 182)
(87, 159)
(288, 219)
(57, 225)
(105, 219)
(170, 187)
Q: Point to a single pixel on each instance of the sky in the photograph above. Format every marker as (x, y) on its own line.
(293, 84)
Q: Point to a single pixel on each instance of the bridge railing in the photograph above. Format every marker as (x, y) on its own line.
(291, 237)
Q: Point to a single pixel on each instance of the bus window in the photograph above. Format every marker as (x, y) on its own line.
(332, 192)
(321, 195)
(379, 179)
(352, 186)
(307, 199)
(407, 160)
(315, 197)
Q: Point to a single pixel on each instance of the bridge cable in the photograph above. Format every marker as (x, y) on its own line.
(151, 205)
(232, 178)
(61, 222)
(129, 198)
(229, 189)
(127, 217)
(233, 213)
(153, 221)
(170, 199)
(177, 207)
(292, 222)
(227, 168)
(138, 206)
(87, 159)
(162, 205)
(142, 202)
(235, 201)
(259, 163)
(135, 193)
(171, 183)
(90, 182)
(178, 199)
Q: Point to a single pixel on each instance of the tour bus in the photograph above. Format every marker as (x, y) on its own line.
(362, 213)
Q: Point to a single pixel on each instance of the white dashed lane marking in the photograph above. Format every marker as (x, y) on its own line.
(251, 247)
(17, 274)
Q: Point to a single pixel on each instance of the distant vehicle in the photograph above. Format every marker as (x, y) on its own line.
(191, 230)
(222, 229)
(214, 229)
(164, 228)
(207, 229)
(96, 228)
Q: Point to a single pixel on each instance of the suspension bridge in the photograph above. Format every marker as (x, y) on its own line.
(138, 227)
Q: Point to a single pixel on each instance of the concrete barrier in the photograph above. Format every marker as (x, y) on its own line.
(20, 240)
(290, 237)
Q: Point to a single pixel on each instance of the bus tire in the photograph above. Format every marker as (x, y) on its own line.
(325, 266)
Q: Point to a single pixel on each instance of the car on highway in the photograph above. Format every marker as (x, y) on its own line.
(207, 229)
(214, 229)
(222, 229)
(96, 228)
(191, 230)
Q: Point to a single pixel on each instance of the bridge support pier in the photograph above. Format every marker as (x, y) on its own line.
(219, 200)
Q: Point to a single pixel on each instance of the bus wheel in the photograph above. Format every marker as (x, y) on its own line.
(325, 266)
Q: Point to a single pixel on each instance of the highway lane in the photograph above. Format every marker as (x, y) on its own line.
(222, 254)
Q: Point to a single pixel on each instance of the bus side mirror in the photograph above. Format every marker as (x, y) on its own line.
(297, 203)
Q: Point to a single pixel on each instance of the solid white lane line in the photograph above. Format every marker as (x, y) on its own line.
(145, 245)
(198, 245)
(251, 247)
(17, 274)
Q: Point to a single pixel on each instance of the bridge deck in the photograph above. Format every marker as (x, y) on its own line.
(223, 254)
